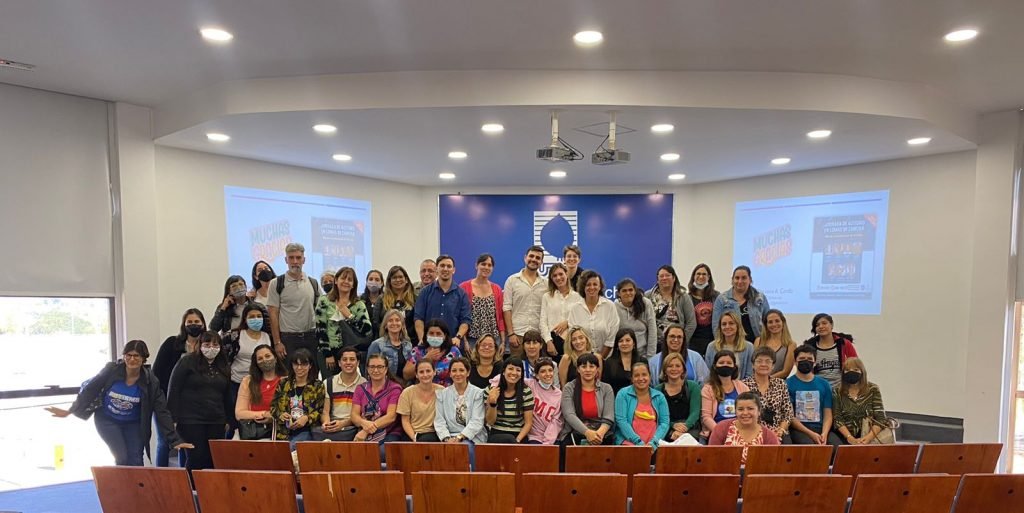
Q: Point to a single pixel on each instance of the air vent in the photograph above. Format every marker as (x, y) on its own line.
(4, 63)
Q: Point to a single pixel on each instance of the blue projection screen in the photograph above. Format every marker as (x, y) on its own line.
(620, 235)
(260, 223)
(816, 253)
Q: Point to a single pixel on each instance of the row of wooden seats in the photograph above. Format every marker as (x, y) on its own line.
(135, 489)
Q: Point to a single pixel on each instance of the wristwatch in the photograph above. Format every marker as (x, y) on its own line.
(460, 438)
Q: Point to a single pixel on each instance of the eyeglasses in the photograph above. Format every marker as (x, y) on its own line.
(132, 356)
(376, 367)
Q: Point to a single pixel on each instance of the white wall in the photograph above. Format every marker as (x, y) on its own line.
(922, 330)
(193, 260)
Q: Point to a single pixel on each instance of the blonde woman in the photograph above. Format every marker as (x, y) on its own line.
(775, 336)
(858, 412)
(729, 336)
(400, 295)
(579, 344)
(486, 360)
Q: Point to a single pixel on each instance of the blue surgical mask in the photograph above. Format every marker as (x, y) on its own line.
(255, 324)
(435, 341)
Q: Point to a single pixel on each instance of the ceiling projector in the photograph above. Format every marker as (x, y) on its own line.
(558, 150)
(609, 157)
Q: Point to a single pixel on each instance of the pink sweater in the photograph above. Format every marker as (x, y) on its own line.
(709, 405)
(547, 413)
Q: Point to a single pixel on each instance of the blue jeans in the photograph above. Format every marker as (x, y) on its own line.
(123, 438)
(302, 436)
(163, 451)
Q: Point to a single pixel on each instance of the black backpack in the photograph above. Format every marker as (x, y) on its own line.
(312, 281)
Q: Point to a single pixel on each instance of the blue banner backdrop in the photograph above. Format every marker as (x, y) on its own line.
(620, 235)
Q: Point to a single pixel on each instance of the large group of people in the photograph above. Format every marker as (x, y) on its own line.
(539, 360)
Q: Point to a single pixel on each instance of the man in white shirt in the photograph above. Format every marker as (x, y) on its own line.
(291, 302)
(522, 297)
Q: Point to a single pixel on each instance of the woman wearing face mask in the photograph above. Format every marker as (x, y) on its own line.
(486, 362)
(437, 348)
(327, 280)
(670, 302)
(775, 336)
(743, 299)
(744, 430)
(342, 319)
(636, 312)
(776, 408)
(199, 397)
(298, 400)
(554, 308)
(579, 344)
(509, 406)
(683, 397)
(125, 396)
(718, 397)
(588, 406)
(547, 403)
(228, 314)
(858, 412)
(393, 342)
(400, 295)
(173, 349)
(417, 404)
(618, 367)
(675, 342)
(239, 347)
(252, 408)
(641, 412)
(485, 302)
(831, 349)
(375, 405)
(595, 313)
(703, 296)
(730, 336)
(459, 415)
(373, 298)
(262, 275)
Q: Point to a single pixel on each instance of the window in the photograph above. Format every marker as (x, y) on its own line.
(1016, 444)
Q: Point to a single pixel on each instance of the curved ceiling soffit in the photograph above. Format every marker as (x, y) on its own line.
(432, 89)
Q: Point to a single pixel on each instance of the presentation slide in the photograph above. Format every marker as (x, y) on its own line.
(260, 223)
(815, 253)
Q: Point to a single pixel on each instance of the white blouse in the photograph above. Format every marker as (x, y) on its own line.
(601, 324)
(555, 309)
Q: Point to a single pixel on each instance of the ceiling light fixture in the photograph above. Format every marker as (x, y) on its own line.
(677, 176)
(218, 137)
(662, 128)
(493, 128)
(588, 38)
(781, 161)
(341, 157)
(819, 134)
(446, 176)
(216, 35)
(961, 35)
(670, 157)
(457, 155)
(917, 141)
(325, 129)
(557, 174)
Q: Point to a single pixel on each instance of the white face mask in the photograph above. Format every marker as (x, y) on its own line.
(374, 286)
(699, 286)
(210, 352)
(435, 341)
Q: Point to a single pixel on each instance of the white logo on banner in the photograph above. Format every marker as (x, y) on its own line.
(553, 230)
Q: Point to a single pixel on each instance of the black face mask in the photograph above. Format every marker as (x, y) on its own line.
(725, 371)
(805, 367)
(265, 275)
(851, 377)
(327, 287)
(194, 330)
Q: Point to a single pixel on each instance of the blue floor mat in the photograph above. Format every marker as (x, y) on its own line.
(77, 497)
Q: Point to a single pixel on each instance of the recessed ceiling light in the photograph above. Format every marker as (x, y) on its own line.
(446, 176)
(457, 155)
(341, 157)
(917, 141)
(588, 37)
(662, 128)
(217, 137)
(961, 35)
(325, 129)
(670, 157)
(557, 174)
(493, 128)
(216, 35)
(819, 134)
(676, 176)
(781, 161)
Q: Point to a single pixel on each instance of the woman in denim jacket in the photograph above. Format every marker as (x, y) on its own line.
(748, 303)
(393, 342)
